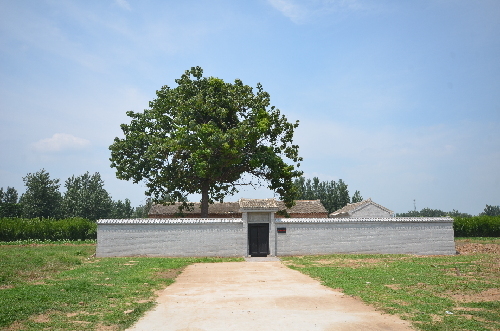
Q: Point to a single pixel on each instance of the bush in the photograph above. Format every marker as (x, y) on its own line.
(12, 229)
(477, 226)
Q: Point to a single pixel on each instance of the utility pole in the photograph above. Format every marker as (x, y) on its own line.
(414, 205)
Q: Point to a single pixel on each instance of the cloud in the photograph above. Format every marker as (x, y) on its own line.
(123, 4)
(60, 142)
(294, 12)
(302, 11)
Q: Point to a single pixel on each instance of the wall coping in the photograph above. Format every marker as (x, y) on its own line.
(170, 221)
(367, 219)
(277, 220)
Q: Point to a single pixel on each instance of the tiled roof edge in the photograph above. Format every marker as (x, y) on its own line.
(169, 221)
(373, 203)
(365, 219)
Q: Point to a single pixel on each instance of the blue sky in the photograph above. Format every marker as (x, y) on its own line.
(400, 99)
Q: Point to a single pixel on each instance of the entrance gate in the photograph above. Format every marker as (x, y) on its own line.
(258, 239)
(258, 222)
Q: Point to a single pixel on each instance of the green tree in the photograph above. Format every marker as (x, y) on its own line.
(356, 197)
(142, 211)
(9, 196)
(86, 197)
(456, 213)
(343, 194)
(42, 197)
(122, 209)
(333, 195)
(203, 136)
(9, 206)
(491, 211)
(428, 212)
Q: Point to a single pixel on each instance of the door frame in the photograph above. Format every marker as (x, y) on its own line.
(262, 237)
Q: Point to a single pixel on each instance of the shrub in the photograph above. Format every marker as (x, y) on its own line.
(12, 229)
(477, 226)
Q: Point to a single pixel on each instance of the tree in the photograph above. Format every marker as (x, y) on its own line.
(356, 197)
(86, 197)
(428, 212)
(333, 195)
(343, 194)
(122, 209)
(142, 211)
(42, 197)
(9, 196)
(9, 206)
(456, 213)
(202, 137)
(491, 211)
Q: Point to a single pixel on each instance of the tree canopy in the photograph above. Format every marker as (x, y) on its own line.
(42, 197)
(9, 206)
(333, 195)
(86, 197)
(428, 212)
(9, 196)
(202, 137)
(491, 211)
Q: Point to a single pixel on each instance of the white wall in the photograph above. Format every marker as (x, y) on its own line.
(229, 237)
(387, 236)
(223, 239)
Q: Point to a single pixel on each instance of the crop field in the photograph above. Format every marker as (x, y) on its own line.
(61, 286)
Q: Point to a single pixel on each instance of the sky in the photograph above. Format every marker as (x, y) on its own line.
(399, 99)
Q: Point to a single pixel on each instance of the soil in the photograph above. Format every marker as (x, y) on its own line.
(466, 248)
(169, 274)
(492, 294)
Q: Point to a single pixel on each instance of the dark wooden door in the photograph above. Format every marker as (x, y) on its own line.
(258, 239)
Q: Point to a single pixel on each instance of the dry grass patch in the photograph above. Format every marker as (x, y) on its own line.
(169, 274)
(491, 294)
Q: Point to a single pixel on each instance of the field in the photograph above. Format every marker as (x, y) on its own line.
(63, 287)
(460, 292)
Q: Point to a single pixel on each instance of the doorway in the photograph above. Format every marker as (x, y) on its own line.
(258, 239)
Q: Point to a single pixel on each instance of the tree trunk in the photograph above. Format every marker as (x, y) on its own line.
(204, 200)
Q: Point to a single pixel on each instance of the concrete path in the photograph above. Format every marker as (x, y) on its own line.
(258, 296)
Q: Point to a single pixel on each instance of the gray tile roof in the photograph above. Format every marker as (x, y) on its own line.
(229, 208)
(225, 208)
(304, 206)
(258, 203)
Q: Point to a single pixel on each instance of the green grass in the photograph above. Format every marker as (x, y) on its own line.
(61, 287)
(419, 289)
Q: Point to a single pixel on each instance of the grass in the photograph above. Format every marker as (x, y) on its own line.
(60, 286)
(459, 292)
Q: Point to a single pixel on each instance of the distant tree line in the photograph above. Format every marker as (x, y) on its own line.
(85, 197)
(428, 212)
(333, 195)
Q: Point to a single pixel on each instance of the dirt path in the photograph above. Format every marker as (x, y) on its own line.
(258, 296)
